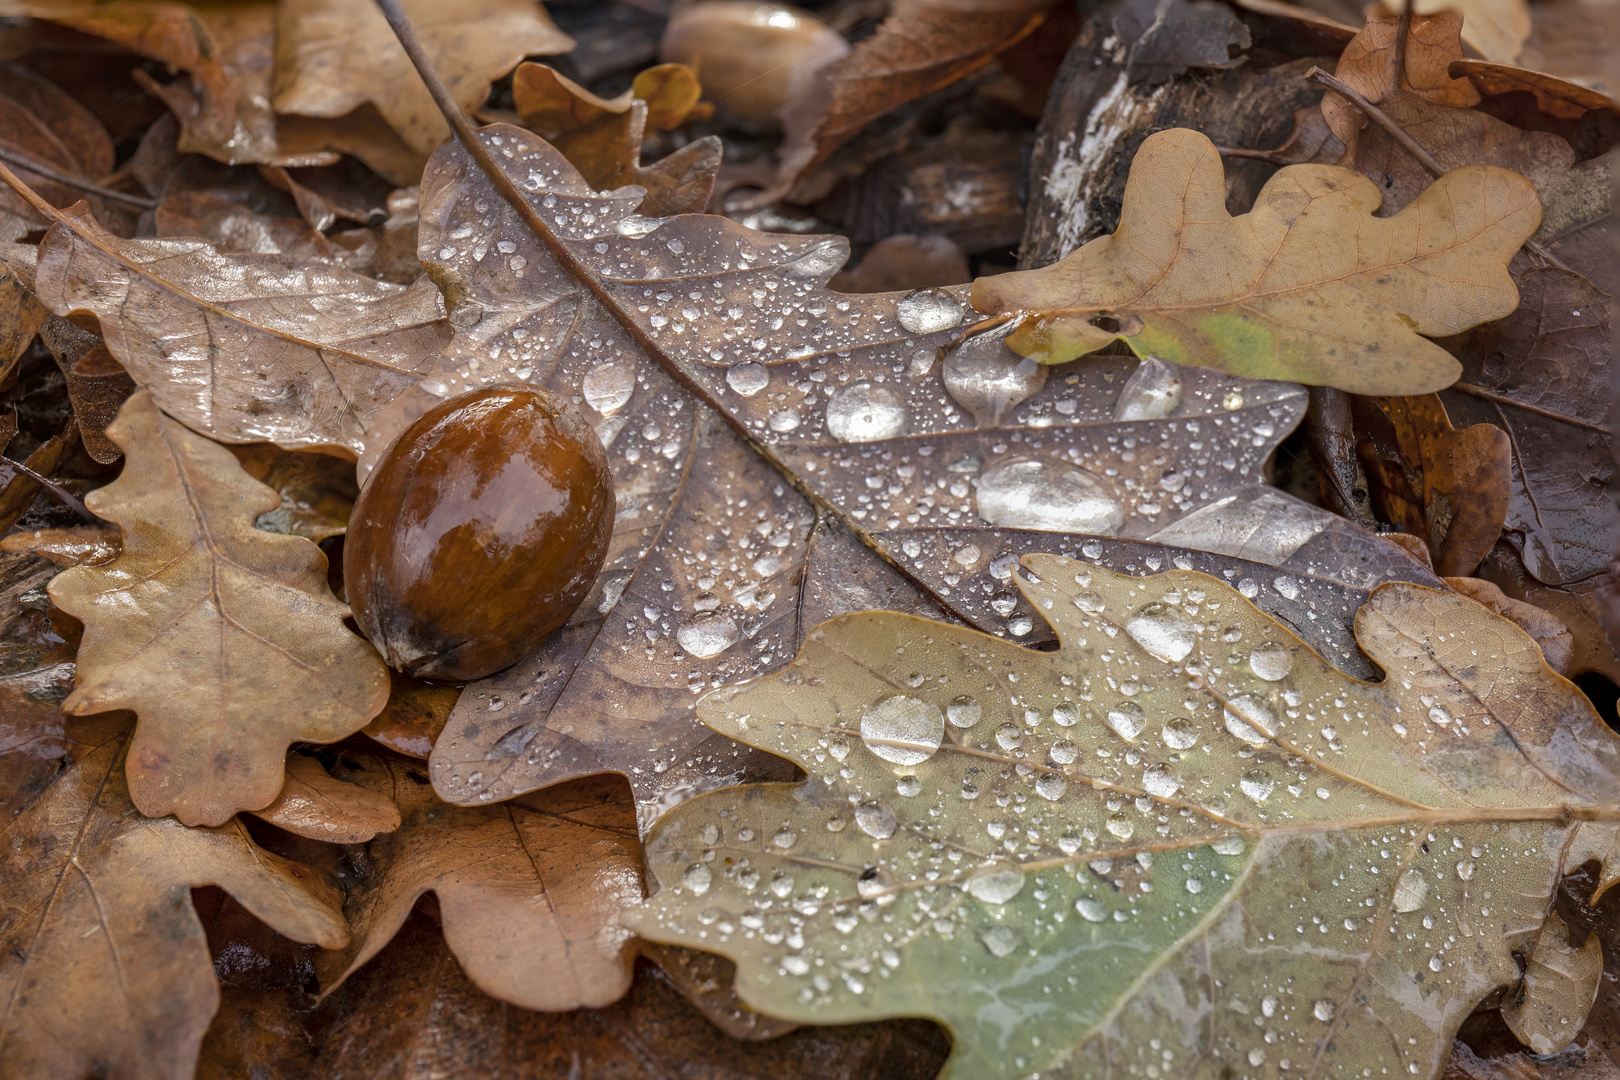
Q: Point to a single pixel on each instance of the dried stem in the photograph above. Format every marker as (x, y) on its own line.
(22, 160)
(401, 24)
(66, 497)
(1502, 399)
(1403, 30)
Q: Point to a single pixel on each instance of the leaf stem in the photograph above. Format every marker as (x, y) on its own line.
(1502, 399)
(66, 497)
(11, 154)
(401, 25)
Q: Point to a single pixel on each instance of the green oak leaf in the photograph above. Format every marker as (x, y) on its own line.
(1182, 845)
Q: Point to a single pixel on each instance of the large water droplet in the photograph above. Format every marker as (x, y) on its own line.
(1249, 719)
(1256, 785)
(862, 412)
(608, 386)
(875, 820)
(1160, 780)
(1271, 661)
(988, 379)
(963, 712)
(1163, 631)
(1180, 734)
(1091, 909)
(697, 879)
(1009, 737)
(1465, 869)
(708, 634)
(1323, 1010)
(784, 420)
(1064, 752)
(1051, 786)
(748, 378)
(877, 883)
(996, 882)
(1410, 891)
(1065, 714)
(1151, 393)
(902, 730)
(822, 259)
(1127, 719)
(928, 311)
(1229, 845)
(1120, 826)
(1000, 940)
(1034, 493)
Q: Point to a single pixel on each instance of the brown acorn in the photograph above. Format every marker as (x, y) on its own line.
(481, 529)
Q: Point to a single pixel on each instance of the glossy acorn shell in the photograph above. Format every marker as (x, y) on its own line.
(478, 533)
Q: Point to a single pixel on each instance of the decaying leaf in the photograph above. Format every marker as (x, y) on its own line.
(87, 545)
(38, 119)
(222, 637)
(316, 805)
(530, 892)
(97, 385)
(334, 56)
(245, 348)
(106, 970)
(1556, 642)
(1164, 38)
(317, 491)
(1181, 823)
(706, 353)
(415, 714)
(19, 490)
(1446, 486)
(922, 46)
(1307, 286)
(1559, 985)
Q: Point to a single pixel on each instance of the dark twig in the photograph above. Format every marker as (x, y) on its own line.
(66, 497)
(14, 156)
(503, 185)
(1410, 145)
(1403, 30)
(1502, 399)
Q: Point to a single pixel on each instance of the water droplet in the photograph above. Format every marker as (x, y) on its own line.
(1268, 1006)
(1033, 493)
(1323, 1010)
(822, 259)
(1051, 786)
(1163, 631)
(1064, 752)
(710, 834)
(1151, 393)
(708, 634)
(1194, 885)
(928, 311)
(1257, 1058)
(1287, 588)
(1439, 715)
(1009, 737)
(697, 879)
(784, 420)
(838, 747)
(1000, 940)
(1465, 869)
(1257, 785)
(1065, 714)
(785, 839)
(1180, 734)
(876, 883)
(902, 730)
(1160, 780)
(748, 378)
(1120, 826)
(1436, 962)
(1248, 719)
(1020, 624)
(608, 386)
(1272, 662)
(1230, 845)
(988, 379)
(1127, 719)
(1091, 909)
(1410, 891)
(996, 882)
(875, 820)
(862, 412)
(908, 786)
(963, 712)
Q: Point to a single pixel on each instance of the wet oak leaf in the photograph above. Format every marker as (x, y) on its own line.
(529, 892)
(223, 638)
(663, 330)
(1307, 286)
(316, 805)
(106, 970)
(242, 347)
(1183, 819)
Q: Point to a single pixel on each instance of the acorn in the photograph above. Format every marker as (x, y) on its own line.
(753, 58)
(479, 532)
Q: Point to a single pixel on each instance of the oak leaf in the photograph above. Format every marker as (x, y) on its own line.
(106, 969)
(1307, 286)
(1099, 842)
(316, 805)
(529, 892)
(1496, 29)
(222, 637)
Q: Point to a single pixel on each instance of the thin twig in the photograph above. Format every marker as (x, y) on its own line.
(503, 185)
(22, 160)
(1403, 30)
(1411, 145)
(1502, 399)
(66, 497)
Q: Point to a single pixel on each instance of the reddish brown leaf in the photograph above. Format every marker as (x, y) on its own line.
(316, 805)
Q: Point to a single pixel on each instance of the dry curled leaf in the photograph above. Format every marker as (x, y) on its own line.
(245, 348)
(316, 805)
(1307, 286)
(1496, 29)
(106, 969)
(223, 638)
(530, 893)
(334, 56)
(1099, 841)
